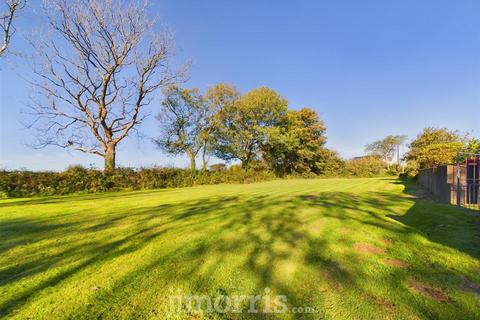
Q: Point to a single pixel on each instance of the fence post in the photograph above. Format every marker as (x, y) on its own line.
(459, 188)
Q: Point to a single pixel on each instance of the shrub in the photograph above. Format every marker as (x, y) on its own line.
(365, 167)
(88, 180)
(412, 169)
(394, 170)
(218, 167)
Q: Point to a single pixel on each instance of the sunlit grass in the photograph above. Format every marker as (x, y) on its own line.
(349, 248)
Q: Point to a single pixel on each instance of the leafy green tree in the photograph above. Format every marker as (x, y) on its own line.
(182, 121)
(386, 148)
(329, 162)
(217, 98)
(244, 123)
(473, 146)
(434, 147)
(297, 145)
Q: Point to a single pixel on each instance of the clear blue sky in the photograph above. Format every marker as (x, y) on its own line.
(370, 68)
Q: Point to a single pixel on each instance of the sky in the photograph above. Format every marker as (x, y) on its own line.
(369, 68)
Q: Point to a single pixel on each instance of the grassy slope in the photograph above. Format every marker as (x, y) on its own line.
(120, 255)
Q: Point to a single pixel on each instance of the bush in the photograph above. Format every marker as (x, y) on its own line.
(218, 167)
(365, 167)
(412, 169)
(394, 170)
(89, 180)
(77, 179)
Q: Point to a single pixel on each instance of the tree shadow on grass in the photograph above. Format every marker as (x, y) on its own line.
(141, 232)
(252, 228)
(457, 228)
(259, 235)
(80, 197)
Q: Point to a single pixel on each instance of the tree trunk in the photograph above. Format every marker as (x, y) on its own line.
(245, 163)
(192, 163)
(204, 158)
(246, 160)
(110, 158)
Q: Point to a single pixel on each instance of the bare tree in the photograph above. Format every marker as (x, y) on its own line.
(10, 10)
(96, 77)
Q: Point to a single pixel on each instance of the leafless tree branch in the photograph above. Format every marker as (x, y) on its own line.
(94, 80)
(10, 10)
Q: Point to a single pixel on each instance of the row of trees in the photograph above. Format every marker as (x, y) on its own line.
(432, 147)
(251, 127)
(101, 65)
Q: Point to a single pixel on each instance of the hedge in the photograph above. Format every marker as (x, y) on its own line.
(79, 179)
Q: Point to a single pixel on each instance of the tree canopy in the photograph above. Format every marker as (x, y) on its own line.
(297, 145)
(182, 121)
(244, 123)
(216, 98)
(434, 147)
(473, 146)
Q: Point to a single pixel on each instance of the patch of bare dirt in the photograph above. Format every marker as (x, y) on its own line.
(428, 291)
(368, 248)
(470, 286)
(384, 302)
(396, 263)
(387, 241)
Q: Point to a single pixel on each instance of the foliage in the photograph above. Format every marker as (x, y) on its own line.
(435, 147)
(297, 145)
(473, 146)
(217, 167)
(243, 124)
(412, 168)
(329, 163)
(368, 166)
(385, 148)
(182, 122)
(217, 97)
(395, 169)
(80, 179)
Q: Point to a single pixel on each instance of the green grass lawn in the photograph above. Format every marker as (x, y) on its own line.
(348, 248)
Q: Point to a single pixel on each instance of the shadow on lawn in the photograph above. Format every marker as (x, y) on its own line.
(442, 223)
(225, 225)
(72, 198)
